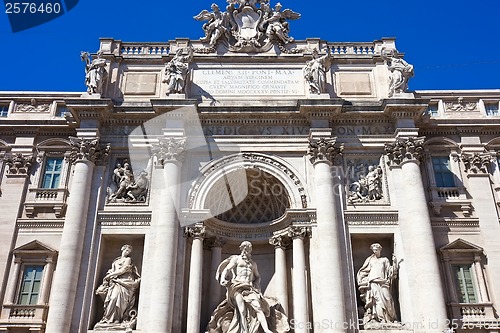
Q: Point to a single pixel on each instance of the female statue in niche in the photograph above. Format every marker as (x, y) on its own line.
(374, 279)
(118, 290)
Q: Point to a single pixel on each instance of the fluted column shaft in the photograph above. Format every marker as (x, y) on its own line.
(195, 279)
(165, 227)
(329, 296)
(420, 257)
(279, 243)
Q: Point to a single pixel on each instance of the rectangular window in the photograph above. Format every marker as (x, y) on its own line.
(61, 111)
(442, 172)
(30, 285)
(52, 173)
(491, 109)
(4, 110)
(432, 110)
(464, 284)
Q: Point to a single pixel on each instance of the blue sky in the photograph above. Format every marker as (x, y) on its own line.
(452, 44)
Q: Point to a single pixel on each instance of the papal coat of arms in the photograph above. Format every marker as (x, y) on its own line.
(247, 26)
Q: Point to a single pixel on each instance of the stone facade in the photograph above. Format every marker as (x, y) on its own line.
(310, 150)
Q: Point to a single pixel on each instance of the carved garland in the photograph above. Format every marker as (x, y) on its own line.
(249, 157)
(403, 150)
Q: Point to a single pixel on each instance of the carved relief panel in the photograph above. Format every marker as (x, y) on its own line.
(365, 179)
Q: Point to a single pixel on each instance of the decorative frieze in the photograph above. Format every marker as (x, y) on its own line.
(460, 106)
(476, 163)
(125, 219)
(405, 149)
(33, 106)
(324, 150)
(169, 149)
(88, 150)
(18, 164)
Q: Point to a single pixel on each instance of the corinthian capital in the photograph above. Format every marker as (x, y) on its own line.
(195, 231)
(324, 150)
(19, 164)
(169, 149)
(279, 241)
(405, 149)
(476, 162)
(299, 232)
(88, 150)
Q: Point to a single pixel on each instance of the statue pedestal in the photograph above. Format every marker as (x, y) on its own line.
(385, 328)
(112, 327)
(318, 96)
(403, 95)
(90, 96)
(176, 96)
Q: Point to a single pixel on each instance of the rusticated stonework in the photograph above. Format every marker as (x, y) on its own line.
(324, 150)
(19, 164)
(403, 150)
(476, 162)
(169, 149)
(88, 150)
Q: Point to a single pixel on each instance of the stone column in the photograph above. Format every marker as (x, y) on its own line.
(477, 168)
(483, 291)
(329, 296)
(195, 278)
(169, 154)
(85, 153)
(47, 279)
(420, 258)
(299, 281)
(214, 294)
(11, 291)
(280, 242)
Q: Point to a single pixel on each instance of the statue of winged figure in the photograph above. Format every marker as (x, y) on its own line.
(216, 26)
(277, 24)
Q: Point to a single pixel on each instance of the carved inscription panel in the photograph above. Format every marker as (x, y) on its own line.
(247, 82)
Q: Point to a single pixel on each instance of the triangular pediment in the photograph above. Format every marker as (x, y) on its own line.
(461, 245)
(34, 246)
